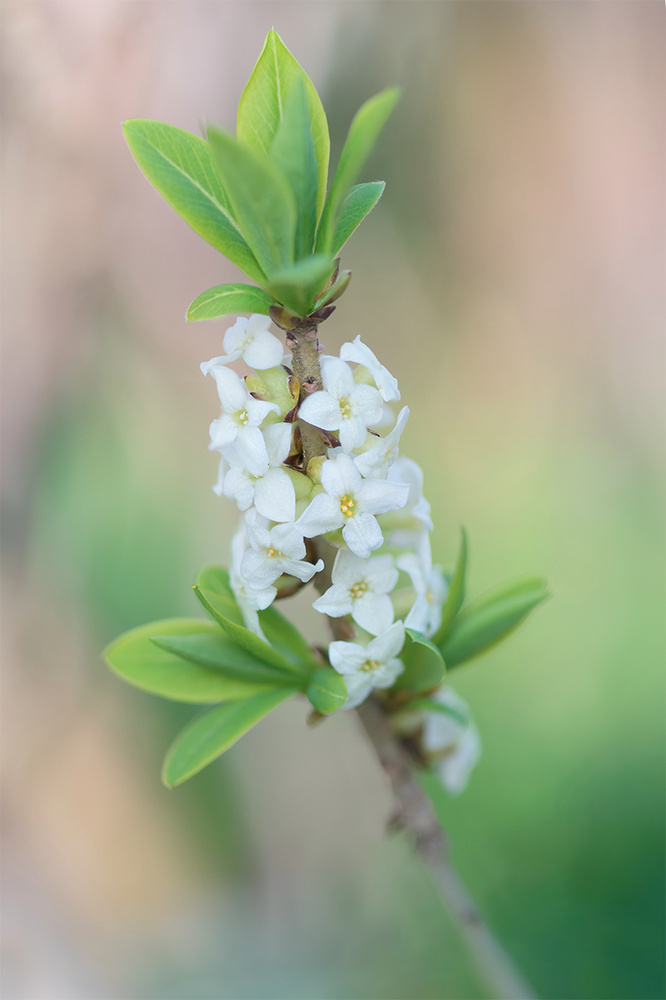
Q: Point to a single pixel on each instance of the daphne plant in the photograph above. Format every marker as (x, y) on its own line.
(309, 449)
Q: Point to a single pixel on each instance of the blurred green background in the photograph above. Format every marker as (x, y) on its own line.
(512, 277)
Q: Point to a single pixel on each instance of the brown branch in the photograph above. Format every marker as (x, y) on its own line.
(415, 815)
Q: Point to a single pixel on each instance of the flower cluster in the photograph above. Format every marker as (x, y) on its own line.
(358, 494)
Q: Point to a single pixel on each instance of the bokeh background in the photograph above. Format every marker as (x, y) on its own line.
(513, 278)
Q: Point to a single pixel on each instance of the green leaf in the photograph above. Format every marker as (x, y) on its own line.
(332, 294)
(424, 666)
(261, 199)
(216, 652)
(429, 705)
(135, 658)
(279, 631)
(180, 166)
(213, 733)
(293, 154)
(297, 286)
(226, 613)
(359, 202)
(286, 638)
(363, 134)
(484, 623)
(327, 691)
(216, 578)
(262, 104)
(222, 300)
(456, 594)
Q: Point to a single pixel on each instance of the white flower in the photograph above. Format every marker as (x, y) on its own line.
(236, 433)
(249, 599)
(362, 355)
(222, 469)
(360, 588)
(251, 340)
(273, 494)
(351, 503)
(376, 461)
(342, 405)
(406, 527)
(366, 667)
(273, 552)
(453, 739)
(430, 587)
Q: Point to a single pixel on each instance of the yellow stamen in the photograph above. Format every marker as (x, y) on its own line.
(347, 505)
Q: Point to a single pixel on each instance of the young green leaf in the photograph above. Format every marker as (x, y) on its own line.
(225, 612)
(135, 658)
(359, 202)
(262, 201)
(484, 623)
(263, 101)
(222, 300)
(216, 579)
(327, 691)
(180, 166)
(297, 286)
(293, 154)
(216, 651)
(332, 294)
(456, 593)
(286, 638)
(213, 733)
(424, 666)
(279, 631)
(363, 134)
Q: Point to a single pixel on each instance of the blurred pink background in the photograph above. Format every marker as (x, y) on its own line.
(513, 278)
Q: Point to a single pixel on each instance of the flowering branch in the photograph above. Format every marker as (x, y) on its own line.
(309, 449)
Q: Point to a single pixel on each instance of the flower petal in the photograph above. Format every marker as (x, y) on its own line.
(303, 571)
(258, 409)
(366, 402)
(337, 377)
(321, 410)
(387, 674)
(339, 476)
(239, 486)
(288, 539)
(373, 612)
(252, 450)
(347, 657)
(235, 336)
(275, 497)
(362, 534)
(222, 432)
(321, 515)
(278, 442)
(352, 432)
(387, 645)
(378, 497)
(358, 688)
(232, 392)
(361, 354)
(336, 601)
(257, 570)
(263, 351)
